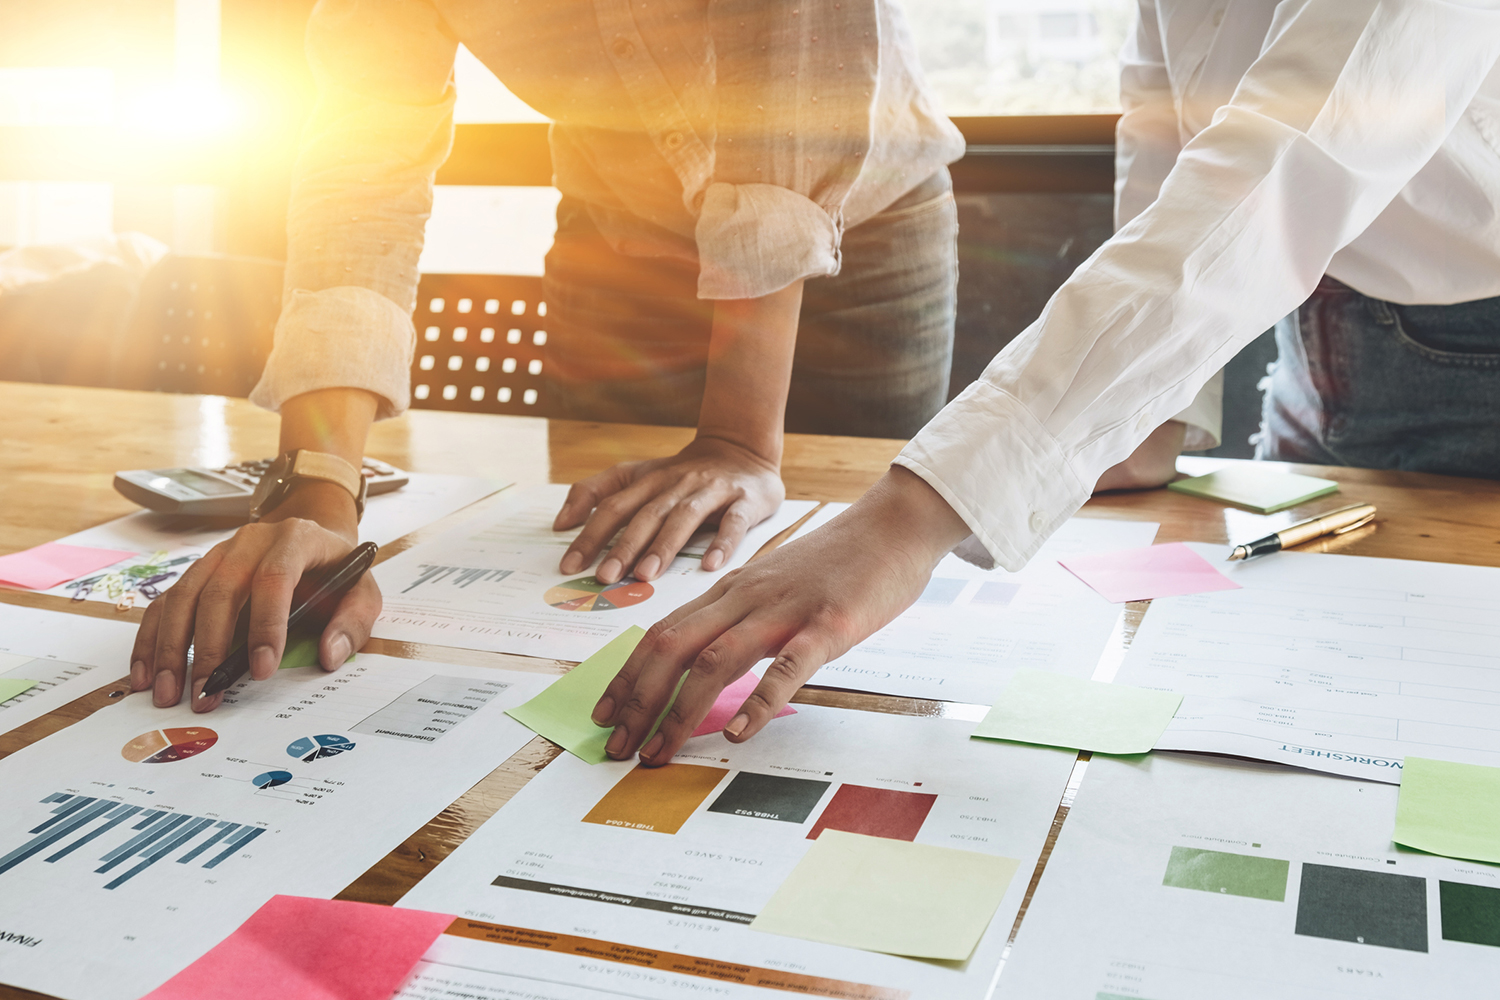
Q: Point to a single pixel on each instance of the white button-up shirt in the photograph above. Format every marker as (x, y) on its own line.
(1262, 145)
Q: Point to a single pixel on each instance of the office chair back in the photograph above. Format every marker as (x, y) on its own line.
(480, 344)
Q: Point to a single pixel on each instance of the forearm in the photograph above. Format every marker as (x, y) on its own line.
(336, 422)
(750, 371)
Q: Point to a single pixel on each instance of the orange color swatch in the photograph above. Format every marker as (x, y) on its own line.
(659, 799)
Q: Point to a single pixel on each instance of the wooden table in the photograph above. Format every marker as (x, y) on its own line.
(59, 447)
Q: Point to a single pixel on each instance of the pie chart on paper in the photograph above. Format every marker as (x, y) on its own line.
(588, 594)
(162, 746)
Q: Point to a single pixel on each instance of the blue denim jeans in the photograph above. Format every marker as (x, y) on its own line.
(628, 336)
(1362, 382)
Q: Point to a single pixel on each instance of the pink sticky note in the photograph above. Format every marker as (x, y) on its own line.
(52, 563)
(294, 948)
(1142, 574)
(729, 702)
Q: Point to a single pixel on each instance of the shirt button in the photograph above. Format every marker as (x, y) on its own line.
(1037, 522)
(623, 48)
(675, 140)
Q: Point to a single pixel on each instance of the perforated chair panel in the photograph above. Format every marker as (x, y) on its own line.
(480, 344)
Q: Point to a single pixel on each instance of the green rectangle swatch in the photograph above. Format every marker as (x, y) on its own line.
(562, 712)
(1260, 490)
(1230, 874)
(1471, 913)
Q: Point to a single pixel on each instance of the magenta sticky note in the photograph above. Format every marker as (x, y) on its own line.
(1142, 574)
(52, 563)
(294, 948)
(729, 702)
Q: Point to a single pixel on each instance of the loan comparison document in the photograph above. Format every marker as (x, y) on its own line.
(1343, 664)
(492, 583)
(135, 840)
(608, 879)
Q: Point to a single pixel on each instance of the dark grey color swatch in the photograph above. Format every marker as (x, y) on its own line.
(1347, 904)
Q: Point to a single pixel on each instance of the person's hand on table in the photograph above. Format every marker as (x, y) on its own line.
(662, 502)
(804, 604)
(261, 563)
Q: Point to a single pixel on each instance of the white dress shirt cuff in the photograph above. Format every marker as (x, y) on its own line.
(1205, 416)
(755, 239)
(340, 338)
(999, 470)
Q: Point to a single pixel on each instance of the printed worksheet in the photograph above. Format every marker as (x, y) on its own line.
(1183, 878)
(615, 880)
(971, 628)
(1343, 664)
(133, 841)
(66, 655)
(492, 583)
(167, 544)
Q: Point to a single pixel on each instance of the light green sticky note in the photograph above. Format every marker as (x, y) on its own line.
(1264, 491)
(1056, 711)
(885, 895)
(302, 650)
(12, 686)
(561, 712)
(1449, 809)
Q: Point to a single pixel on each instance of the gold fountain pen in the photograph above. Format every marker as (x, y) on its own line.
(1335, 522)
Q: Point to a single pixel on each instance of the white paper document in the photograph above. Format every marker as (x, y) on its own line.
(1343, 664)
(971, 628)
(492, 583)
(167, 544)
(136, 839)
(1181, 879)
(67, 655)
(612, 880)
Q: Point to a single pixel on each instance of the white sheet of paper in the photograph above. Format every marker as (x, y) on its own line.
(1343, 664)
(737, 835)
(400, 740)
(492, 583)
(972, 628)
(1169, 869)
(173, 542)
(67, 655)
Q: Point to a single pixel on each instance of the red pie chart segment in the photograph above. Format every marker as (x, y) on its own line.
(588, 594)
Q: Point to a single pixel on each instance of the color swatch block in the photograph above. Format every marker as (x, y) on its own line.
(770, 796)
(1348, 904)
(1471, 913)
(1230, 874)
(875, 812)
(658, 799)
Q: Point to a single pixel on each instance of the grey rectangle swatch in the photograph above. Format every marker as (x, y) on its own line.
(1348, 904)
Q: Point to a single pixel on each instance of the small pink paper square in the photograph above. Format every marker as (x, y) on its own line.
(295, 948)
(729, 702)
(52, 563)
(1143, 574)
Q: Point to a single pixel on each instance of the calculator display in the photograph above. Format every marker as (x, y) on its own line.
(207, 485)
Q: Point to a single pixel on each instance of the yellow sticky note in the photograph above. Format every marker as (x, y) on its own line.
(892, 896)
(1449, 809)
(1057, 711)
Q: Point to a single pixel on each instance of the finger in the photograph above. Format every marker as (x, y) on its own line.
(271, 591)
(609, 516)
(174, 627)
(349, 628)
(798, 660)
(143, 652)
(586, 493)
(723, 662)
(664, 525)
(733, 526)
(217, 620)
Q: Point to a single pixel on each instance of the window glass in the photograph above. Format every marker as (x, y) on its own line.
(1021, 57)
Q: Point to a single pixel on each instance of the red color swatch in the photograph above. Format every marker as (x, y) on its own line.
(875, 812)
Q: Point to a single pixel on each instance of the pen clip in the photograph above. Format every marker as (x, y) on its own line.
(1357, 524)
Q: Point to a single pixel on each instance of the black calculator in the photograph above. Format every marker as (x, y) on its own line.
(225, 492)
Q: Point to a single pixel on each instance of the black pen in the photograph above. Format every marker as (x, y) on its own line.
(339, 579)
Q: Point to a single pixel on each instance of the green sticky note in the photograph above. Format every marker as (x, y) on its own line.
(561, 713)
(894, 896)
(12, 686)
(302, 650)
(1449, 809)
(1261, 490)
(1057, 711)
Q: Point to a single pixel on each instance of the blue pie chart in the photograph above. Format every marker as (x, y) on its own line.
(311, 748)
(271, 779)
